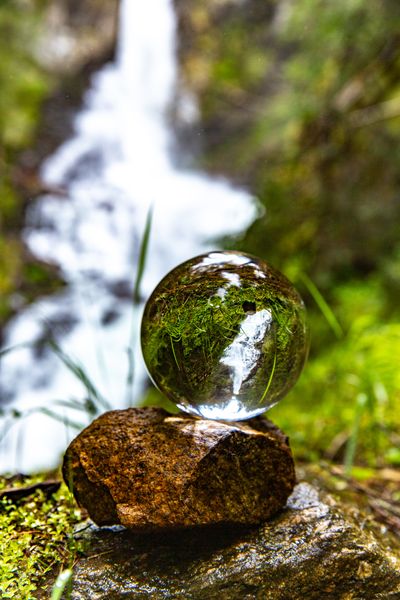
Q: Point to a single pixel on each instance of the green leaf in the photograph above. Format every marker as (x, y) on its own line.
(64, 578)
(144, 246)
(81, 374)
(323, 306)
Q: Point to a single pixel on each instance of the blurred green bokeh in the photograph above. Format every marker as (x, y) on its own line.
(23, 86)
(300, 101)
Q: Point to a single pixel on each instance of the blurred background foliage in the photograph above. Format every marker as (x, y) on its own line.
(23, 86)
(299, 101)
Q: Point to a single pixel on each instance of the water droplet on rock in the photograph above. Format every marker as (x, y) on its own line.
(224, 336)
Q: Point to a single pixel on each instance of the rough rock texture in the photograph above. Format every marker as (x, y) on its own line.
(77, 33)
(146, 469)
(310, 550)
(78, 39)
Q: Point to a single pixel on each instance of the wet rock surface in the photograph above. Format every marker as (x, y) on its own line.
(310, 550)
(149, 470)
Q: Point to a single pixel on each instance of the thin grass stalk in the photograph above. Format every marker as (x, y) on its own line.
(62, 418)
(63, 582)
(143, 251)
(323, 306)
(361, 402)
(5, 351)
(81, 374)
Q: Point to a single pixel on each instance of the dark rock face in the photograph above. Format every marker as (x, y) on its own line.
(77, 33)
(78, 39)
(310, 550)
(149, 470)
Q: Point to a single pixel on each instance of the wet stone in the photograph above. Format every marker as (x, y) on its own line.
(148, 470)
(224, 336)
(312, 550)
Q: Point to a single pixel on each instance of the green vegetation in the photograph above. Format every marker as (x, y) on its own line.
(23, 83)
(299, 102)
(36, 537)
(313, 132)
(23, 86)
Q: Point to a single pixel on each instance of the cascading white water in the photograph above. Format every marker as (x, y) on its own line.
(114, 169)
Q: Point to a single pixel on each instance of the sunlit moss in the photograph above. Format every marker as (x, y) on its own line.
(321, 412)
(36, 536)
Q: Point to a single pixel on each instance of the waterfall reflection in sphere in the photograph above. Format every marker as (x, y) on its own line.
(224, 336)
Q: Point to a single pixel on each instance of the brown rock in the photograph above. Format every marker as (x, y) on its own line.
(312, 550)
(146, 469)
(76, 33)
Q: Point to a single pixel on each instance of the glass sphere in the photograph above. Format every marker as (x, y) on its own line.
(224, 336)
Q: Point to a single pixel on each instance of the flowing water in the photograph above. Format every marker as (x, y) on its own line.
(118, 164)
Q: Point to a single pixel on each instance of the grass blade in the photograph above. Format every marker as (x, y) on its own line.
(86, 406)
(351, 446)
(144, 246)
(67, 422)
(7, 426)
(80, 373)
(10, 419)
(63, 580)
(5, 351)
(131, 368)
(323, 306)
(271, 376)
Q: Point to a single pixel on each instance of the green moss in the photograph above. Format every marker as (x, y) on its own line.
(10, 264)
(8, 198)
(326, 401)
(36, 536)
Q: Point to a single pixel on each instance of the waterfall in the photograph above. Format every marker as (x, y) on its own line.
(117, 165)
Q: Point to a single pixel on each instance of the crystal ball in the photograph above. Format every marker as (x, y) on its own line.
(224, 336)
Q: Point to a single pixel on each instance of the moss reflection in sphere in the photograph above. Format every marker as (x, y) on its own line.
(224, 336)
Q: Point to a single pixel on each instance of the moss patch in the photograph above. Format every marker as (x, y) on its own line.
(36, 536)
